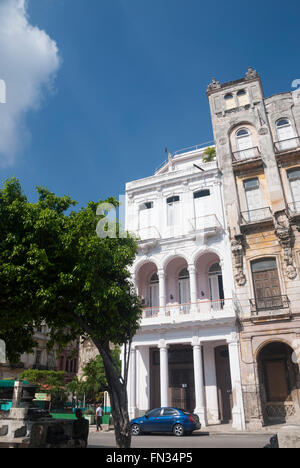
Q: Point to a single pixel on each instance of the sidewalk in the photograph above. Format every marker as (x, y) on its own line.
(227, 429)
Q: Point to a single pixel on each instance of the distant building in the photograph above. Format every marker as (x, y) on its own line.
(43, 359)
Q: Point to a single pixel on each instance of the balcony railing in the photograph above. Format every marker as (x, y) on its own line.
(246, 154)
(184, 310)
(294, 208)
(206, 223)
(260, 214)
(269, 305)
(287, 145)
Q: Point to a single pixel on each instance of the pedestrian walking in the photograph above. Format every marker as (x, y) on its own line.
(99, 414)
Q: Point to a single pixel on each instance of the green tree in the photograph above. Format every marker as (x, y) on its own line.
(93, 381)
(55, 269)
(209, 155)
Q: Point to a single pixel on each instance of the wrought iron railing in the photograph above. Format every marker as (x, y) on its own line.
(244, 155)
(287, 145)
(294, 207)
(260, 214)
(269, 304)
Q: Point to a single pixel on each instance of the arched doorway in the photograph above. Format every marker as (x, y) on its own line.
(279, 382)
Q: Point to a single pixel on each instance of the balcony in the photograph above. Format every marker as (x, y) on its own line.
(246, 155)
(287, 145)
(294, 208)
(255, 216)
(202, 310)
(270, 308)
(208, 225)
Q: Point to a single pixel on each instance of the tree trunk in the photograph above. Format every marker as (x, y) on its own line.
(118, 398)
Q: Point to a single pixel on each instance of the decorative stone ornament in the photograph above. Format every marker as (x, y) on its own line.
(237, 250)
(284, 233)
(214, 85)
(263, 131)
(251, 74)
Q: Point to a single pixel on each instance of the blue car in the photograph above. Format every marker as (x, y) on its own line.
(175, 420)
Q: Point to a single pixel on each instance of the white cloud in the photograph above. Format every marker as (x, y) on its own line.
(29, 61)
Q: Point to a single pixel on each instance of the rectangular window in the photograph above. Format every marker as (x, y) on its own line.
(173, 212)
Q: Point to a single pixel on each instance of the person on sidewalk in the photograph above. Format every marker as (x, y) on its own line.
(99, 414)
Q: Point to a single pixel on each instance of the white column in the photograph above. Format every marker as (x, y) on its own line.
(211, 390)
(238, 415)
(193, 286)
(200, 409)
(164, 373)
(132, 375)
(162, 291)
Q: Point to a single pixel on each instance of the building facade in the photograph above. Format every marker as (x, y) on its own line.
(186, 353)
(258, 151)
(43, 359)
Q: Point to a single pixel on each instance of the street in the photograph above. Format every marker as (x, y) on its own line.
(197, 440)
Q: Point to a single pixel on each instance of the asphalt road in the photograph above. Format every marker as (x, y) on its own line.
(197, 440)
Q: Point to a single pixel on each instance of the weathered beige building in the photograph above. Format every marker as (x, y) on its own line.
(258, 150)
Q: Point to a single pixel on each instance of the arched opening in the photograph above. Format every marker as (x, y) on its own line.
(147, 283)
(278, 372)
(210, 289)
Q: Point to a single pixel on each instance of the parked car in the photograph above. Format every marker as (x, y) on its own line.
(175, 420)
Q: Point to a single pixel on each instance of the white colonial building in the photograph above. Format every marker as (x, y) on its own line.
(186, 353)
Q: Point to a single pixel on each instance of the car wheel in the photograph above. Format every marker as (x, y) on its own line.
(178, 430)
(135, 430)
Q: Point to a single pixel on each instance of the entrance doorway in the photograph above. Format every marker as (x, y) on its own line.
(224, 384)
(181, 378)
(279, 382)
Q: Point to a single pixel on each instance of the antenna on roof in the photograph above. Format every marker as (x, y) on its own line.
(198, 167)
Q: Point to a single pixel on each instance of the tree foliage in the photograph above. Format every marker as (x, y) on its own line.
(93, 381)
(54, 269)
(209, 155)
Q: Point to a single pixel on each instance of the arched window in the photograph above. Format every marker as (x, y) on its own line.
(244, 144)
(294, 180)
(243, 98)
(286, 135)
(266, 283)
(230, 102)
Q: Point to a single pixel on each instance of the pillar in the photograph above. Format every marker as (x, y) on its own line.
(238, 416)
(162, 291)
(211, 390)
(200, 409)
(193, 286)
(132, 395)
(164, 373)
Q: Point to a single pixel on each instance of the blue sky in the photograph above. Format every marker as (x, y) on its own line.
(132, 81)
